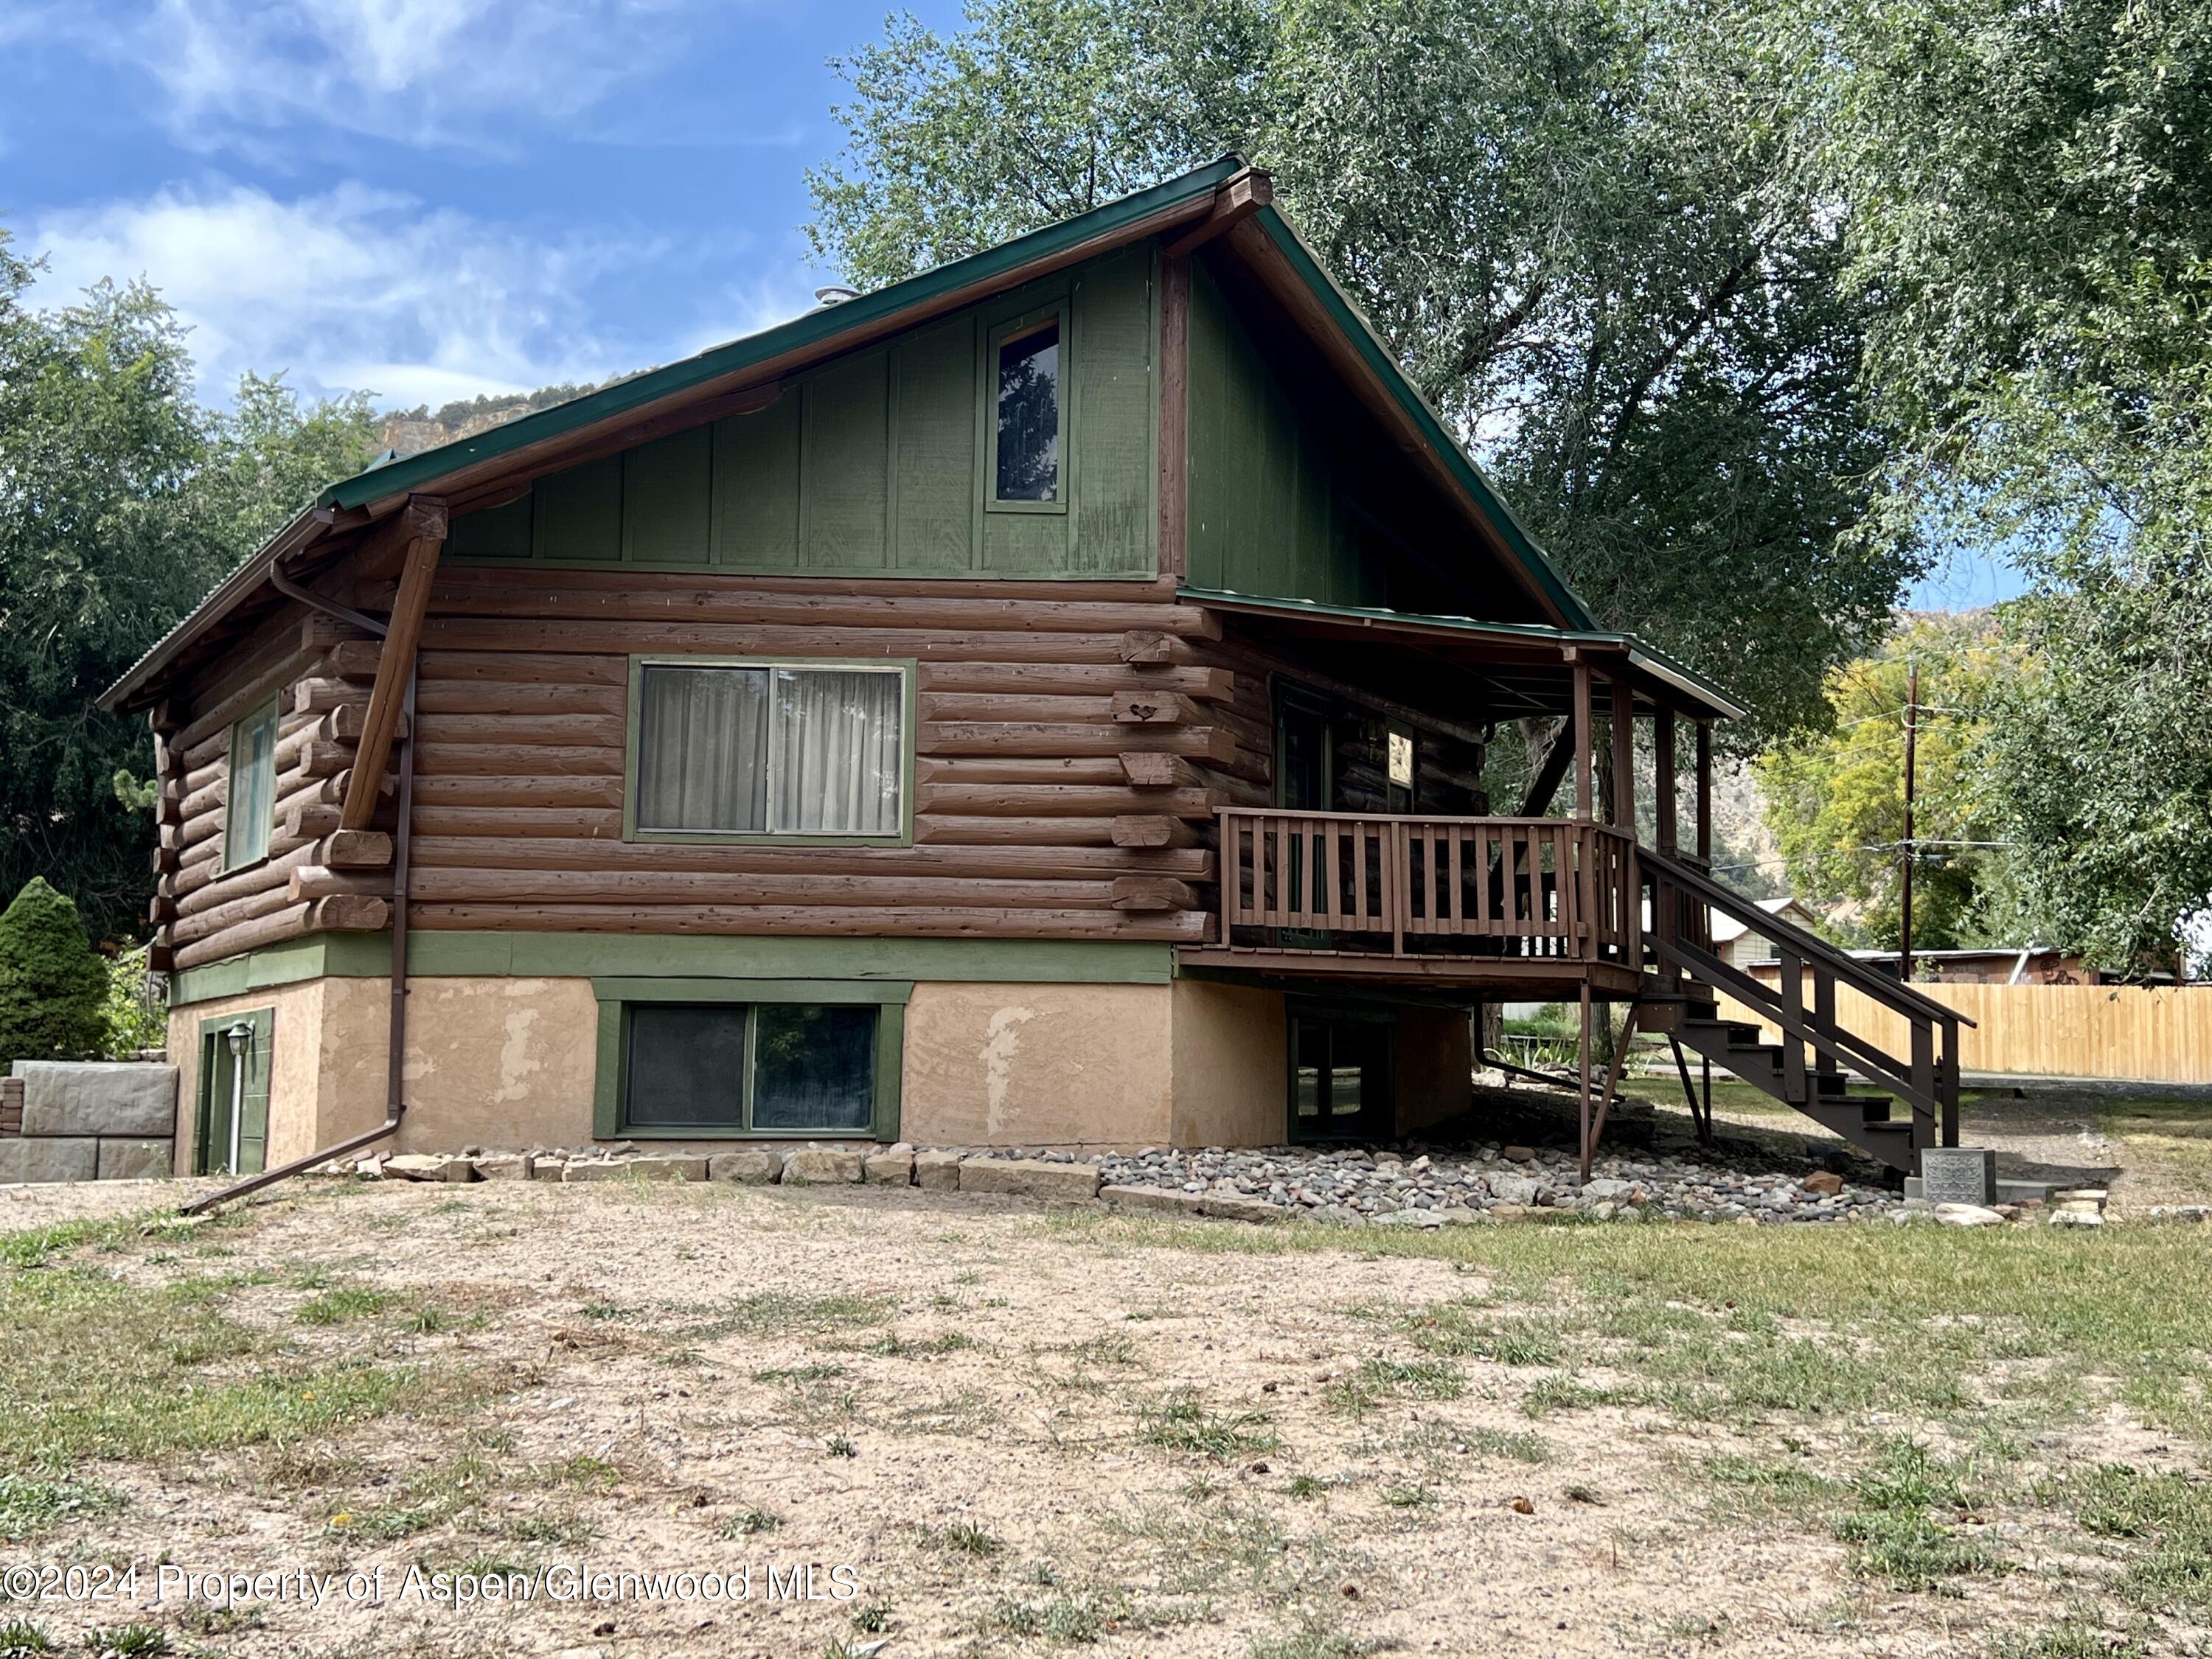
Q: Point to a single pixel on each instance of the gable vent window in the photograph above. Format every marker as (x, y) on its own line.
(770, 749)
(1029, 414)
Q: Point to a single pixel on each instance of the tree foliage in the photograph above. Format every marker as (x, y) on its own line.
(121, 503)
(1835, 800)
(1574, 220)
(54, 986)
(2030, 229)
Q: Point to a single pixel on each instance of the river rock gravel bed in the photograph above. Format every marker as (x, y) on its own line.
(1422, 1186)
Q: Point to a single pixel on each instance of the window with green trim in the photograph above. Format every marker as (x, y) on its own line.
(770, 749)
(1028, 448)
(250, 796)
(714, 1068)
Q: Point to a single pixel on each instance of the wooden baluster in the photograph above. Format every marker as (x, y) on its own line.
(1793, 1006)
(1359, 843)
(1232, 872)
(1458, 889)
(1268, 866)
(1397, 865)
(1332, 885)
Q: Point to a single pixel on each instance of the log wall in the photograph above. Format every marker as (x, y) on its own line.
(1074, 741)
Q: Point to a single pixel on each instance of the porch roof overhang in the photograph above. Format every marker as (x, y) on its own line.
(1525, 662)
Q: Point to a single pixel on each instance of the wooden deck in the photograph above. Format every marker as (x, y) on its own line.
(1517, 902)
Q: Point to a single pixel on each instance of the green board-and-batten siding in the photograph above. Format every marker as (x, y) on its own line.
(1267, 497)
(873, 463)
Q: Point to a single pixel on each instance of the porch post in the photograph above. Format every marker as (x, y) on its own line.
(1584, 808)
(1706, 791)
(1662, 772)
(1624, 757)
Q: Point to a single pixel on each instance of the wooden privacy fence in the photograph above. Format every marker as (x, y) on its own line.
(2134, 1033)
(1523, 887)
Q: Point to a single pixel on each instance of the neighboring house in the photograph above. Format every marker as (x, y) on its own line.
(1042, 701)
(1735, 942)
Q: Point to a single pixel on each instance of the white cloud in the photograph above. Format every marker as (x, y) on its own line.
(422, 72)
(354, 288)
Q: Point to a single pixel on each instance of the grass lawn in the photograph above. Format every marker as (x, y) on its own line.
(1047, 1432)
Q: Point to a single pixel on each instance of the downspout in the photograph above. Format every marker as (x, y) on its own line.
(395, 1102)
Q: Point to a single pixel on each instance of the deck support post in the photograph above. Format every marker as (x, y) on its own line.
(1662, 774)
(1583, 1079)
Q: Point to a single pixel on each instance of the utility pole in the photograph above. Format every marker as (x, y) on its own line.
(1905, 888)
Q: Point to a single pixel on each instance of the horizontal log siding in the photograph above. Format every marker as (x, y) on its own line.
(522, 726)
(210, 913)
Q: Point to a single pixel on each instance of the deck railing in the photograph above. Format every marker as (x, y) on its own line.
(1519, 887)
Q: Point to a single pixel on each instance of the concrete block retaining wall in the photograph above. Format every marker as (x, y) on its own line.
(87, 1121)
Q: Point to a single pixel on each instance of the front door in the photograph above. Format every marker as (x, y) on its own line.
(1340, 1076)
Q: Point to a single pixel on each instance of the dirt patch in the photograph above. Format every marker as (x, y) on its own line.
(1002, 1432)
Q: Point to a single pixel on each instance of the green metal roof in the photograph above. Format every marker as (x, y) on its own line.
(1650, 659)
(822, 325)
(865, 315)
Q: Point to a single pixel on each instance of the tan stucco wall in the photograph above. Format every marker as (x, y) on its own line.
(500, 1062)
(1037, 1065)
(490, 1063)
(1232, 1066)
(1435, 1064)
(318, 1089)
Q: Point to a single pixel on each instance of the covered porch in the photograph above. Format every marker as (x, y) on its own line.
(1395, 865)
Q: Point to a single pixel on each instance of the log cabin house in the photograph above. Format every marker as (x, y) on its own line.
(1045, 701)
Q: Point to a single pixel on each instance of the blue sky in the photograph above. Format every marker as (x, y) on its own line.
(428, 199)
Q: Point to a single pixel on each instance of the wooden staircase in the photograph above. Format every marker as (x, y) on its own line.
(1807, 1069)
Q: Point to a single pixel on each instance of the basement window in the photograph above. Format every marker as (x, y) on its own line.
(769, 749)
(1029, 425)
(717, 1069)
(250, 795)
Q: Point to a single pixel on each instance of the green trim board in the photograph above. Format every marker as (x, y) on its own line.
(523, 954)
(909, 671)
(610, 1078)
(211, 1119)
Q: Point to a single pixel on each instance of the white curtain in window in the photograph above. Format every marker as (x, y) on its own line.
(838, 749)
(703, 749)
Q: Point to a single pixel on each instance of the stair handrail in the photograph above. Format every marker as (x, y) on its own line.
(1893, 994)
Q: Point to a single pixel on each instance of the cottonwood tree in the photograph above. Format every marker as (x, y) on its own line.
(122, 502)
(1834, 801)
(2031, 235)
(1574, 220)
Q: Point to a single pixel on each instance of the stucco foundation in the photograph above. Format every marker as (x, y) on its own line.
(511, 1062)
(1186, 1064)
(490, 1063)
